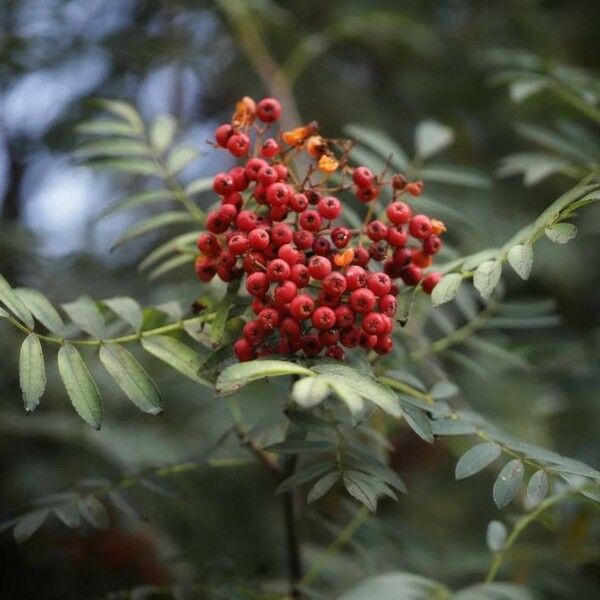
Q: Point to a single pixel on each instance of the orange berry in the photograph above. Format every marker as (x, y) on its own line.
(316, 146)
(245, 112)
(298, 135)
(437, 227)
(328, 164)
(421, 259)
(344, 258)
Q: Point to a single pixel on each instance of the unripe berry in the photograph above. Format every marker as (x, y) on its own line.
(430, 282)
(362, 300)
(278, 270)
(398, 213)
(268, 110)
(363, 177)
(420, 227)
(323, 318)
(270, 148)
(301, 307)
(238, 144)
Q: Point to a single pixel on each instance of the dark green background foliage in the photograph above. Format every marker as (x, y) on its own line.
(505, 77)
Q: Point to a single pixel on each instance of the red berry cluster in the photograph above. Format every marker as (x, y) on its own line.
(311, 279)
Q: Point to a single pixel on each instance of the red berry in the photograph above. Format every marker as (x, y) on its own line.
(319, 267)
(311, 345)
(363, 177)
(278, 213)
(258, 239)
(240, 181)
(285, 292)
(411, 274)
(235, 199)
(399, 213)
(253, 166)
(298, 202)
(268, 110)
(206, 268)
(267, 176)
(340, 236)
(268, 319)
(373, 323)
(288, 253)
(290, 328)
(376, 230)
(361, 256)
(269, 148)
(351, 337)
(420, 227)
(344, 316)
(402, 256)
(378, 250)
(243, 350)
(397, 237)
(323, 318)
(238, 243)
(310, 220)
(278, 194)
(335, 352)
(362, 300)
(223, 184)
(215, 224)
(246, 220)
(238, 144)
(430, 282)
(432, 244)
(356, 277)
(278, 270)
(282, 170)
(379, 283)
(303, 239)
(253, 332)
(328, 299)
(384, 344)
(301, 307)
(367, 194)
(398, 181)
(388, 305)
(281, 234)
(367, 341)
(223, 133)
(329, 208)
(254, 261)
(321, 246)
(227, 213)
(257, 284)
(334, 283)
(299, 275)
(415, 188)
(313, 197)
(329, 337)
(209, 245)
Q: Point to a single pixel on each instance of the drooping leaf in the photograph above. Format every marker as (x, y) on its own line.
(446, 289)
(310, 391)
(520, 258)
(125, 507)
(431, 137)
(322, 486)
(162, 132)
(347, 395)
(507, 484)
(199, 185)
(363, 384)
(521, 90)
(238, 375)
(496, 535)
(303, 475)
(132, 166)
(173, 245)
(442, 390)
(152, 224)
(130, 376)
(113, 147)
(170, 265)
(452, 427)
(477, 458)
(9, 298)
(177, 355)
(86, 315)
(561, 233)
(106, 127)
(68, 514)
(217, 325)
(29, 524)
(487, 277)
(181, 157)
(418, 422)
(32, 371)
(136, 200)
(301, 447)
(94, 512)
(80, 386)
(126, 308)
(361, 490)
(537, 488)
(123, 110)
(42, 309)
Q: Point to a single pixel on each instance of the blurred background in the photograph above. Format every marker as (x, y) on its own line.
(383, 64)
